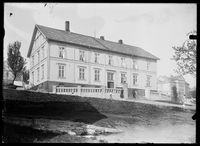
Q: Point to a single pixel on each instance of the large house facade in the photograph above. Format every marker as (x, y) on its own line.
(61, 57)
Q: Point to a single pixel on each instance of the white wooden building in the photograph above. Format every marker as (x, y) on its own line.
(61, 57)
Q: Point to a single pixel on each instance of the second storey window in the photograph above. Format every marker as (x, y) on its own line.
(81, 55)
(110, 76)
(81, 73)
(110, 60)
(148, 65)
(122, 62)
(96, 74)
(134, 64)
(148, 82)
(61, 71)
(38, 54)
(61, 52)
(42, 52)
(96, 58)
(135, 79)
(123, 77)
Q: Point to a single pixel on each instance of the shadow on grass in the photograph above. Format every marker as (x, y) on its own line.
(21, 134)
(73, 111)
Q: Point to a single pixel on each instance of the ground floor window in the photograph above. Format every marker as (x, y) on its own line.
(96, 74)
(81, 73)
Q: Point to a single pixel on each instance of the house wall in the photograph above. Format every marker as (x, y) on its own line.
(72, 64)
(39, 43)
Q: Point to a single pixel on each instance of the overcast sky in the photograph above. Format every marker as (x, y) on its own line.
(153, 27)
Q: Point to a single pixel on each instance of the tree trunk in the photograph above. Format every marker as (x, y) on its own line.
(14, 79)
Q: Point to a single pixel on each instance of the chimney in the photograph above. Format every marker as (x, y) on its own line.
(102, 37)
(120, 41)
(67, 26)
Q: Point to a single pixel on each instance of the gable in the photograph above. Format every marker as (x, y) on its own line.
(37, 39)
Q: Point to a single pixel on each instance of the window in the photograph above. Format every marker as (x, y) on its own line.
(33, 77)
(122, 62)
(123, 77)
(110, 61)
(61, 52)
(135, 79)
(42, 71)
(110, 76)
(134, 64)
(96, 59)
(43, 52)
(81, 73)
(38, 53)
(81, 55)
(33, 60)
(96, 74)
(148, 81)
(148, 65)
(61, 69)
(38, 73)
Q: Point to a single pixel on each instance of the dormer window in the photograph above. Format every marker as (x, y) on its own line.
(61, 52)
(81, 55)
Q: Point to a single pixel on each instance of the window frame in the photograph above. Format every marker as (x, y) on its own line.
(148, 81)
(135, 78)
(96, 75)
(82, 55)
(38, 74)
(135, 64)
(110, 60)
(42, 68)
(61, 52)
(81, 73)
(61, 71)
(123, 77)
(96, 57)
(110, 76)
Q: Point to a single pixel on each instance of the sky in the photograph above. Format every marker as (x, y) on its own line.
(154, 27)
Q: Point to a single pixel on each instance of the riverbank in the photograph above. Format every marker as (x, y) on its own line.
(129, 117)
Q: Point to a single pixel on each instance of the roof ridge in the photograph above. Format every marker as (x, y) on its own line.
(88, 36)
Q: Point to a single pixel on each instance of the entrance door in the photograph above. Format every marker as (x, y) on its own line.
(110, 84)
(110, 80)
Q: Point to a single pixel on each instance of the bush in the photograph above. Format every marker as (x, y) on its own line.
(11, 86)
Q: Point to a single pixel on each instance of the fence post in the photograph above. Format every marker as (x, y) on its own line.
(79, 90)
(103, 92)
(147, 93)
(54, 89)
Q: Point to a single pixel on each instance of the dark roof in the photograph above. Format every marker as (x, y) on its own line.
(91, 42)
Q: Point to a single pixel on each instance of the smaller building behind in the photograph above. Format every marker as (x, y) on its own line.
(165, 84)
